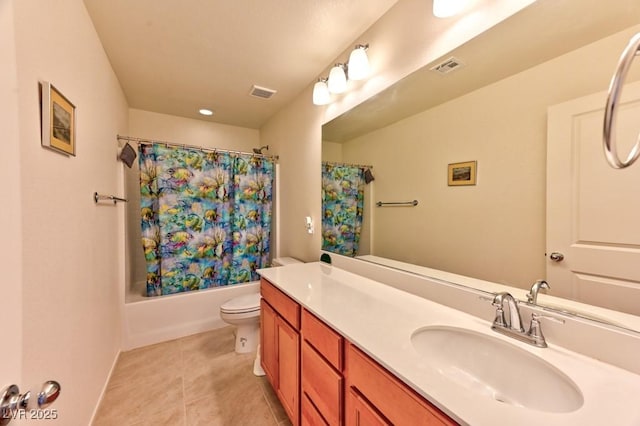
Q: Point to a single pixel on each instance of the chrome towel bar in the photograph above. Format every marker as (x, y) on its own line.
(397, 204)
(615, 89)
(99, 197)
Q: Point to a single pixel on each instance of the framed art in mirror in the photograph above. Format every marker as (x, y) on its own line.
(58, 117)
(462, 173)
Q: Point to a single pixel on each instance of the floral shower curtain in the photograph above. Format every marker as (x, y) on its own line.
(205, 217)
(342, 205)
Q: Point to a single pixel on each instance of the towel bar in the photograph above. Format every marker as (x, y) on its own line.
(99, 197)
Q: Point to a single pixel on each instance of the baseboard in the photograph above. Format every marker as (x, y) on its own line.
(104, 387)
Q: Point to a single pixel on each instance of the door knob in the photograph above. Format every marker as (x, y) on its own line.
(556, 257)
(13, 405)
(10, 402)
(50, 392)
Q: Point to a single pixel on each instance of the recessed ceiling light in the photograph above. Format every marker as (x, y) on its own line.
(205, 111)
(448, 8)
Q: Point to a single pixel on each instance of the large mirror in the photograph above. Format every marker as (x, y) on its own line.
(494, 110)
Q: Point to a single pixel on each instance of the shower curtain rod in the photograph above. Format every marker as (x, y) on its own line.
(200, 148)
(333, 163)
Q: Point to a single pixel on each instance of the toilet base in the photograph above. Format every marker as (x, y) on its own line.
(257, 368)
(247, 338)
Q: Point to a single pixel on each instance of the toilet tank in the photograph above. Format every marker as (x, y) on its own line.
(284, 261)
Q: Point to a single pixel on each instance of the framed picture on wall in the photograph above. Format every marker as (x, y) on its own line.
(462, 173)
(58, 120)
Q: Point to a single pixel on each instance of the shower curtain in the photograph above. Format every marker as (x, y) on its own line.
(342, 205)
(205, 217)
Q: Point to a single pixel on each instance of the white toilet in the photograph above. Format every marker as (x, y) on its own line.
(244, 313)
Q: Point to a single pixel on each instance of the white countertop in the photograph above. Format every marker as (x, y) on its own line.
(380, 320)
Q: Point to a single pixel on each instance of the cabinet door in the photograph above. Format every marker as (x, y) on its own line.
(268, 355)
(358, 412)
(288, 388)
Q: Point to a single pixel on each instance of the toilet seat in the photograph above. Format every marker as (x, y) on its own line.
(242, 304)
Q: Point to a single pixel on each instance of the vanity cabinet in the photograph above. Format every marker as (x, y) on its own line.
(376, 397)
(322, 379)
(280, 346)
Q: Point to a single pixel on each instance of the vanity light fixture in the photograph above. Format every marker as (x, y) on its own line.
(448, 8)
(321, 95)
(358, 68)
(205, 111)
(337, 79)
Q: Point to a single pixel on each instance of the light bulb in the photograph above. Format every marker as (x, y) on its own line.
(205, 111)
(337, 79)
(359, 63)
(447, 8)
(321, 95)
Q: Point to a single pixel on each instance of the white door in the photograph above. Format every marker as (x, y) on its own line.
(11, 246)
(593, 210)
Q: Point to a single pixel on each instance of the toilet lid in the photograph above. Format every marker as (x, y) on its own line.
(246, 303)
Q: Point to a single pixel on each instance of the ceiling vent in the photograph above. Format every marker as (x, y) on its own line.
(262, 92)
(448, 65)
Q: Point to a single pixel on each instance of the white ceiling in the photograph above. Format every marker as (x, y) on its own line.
(175, 57)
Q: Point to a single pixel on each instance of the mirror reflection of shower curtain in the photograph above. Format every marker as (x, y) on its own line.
(342, 207)
(205, 217)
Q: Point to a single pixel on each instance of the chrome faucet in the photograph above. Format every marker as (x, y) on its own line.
(513, 327)
(515, 322)
(532, 296)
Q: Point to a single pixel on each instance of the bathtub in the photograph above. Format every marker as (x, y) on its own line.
(158, 319)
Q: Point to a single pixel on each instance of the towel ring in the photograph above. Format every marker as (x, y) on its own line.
(615, 89)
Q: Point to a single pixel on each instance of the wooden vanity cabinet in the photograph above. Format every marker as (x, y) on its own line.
(322, 379)
(376, 397)
(280, 346)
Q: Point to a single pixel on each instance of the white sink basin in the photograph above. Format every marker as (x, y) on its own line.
(497, 369)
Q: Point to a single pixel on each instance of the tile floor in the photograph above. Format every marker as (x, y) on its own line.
(195, 380)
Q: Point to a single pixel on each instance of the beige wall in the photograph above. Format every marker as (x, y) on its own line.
(72, 249)
(295, 134)
(11, 248)
(331, 151)
(150, 125)
(400, 44)
(496, 229)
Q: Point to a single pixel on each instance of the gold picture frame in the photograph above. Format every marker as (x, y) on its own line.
(462, 173)
(58, 120)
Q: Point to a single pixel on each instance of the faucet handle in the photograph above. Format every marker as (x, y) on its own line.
(535, 330)
(500, 319)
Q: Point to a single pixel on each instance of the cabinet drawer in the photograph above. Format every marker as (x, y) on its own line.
(358, 412)
(326, 341)
(310, 415)
(400, 404)
(322, 384)
(283, 304)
